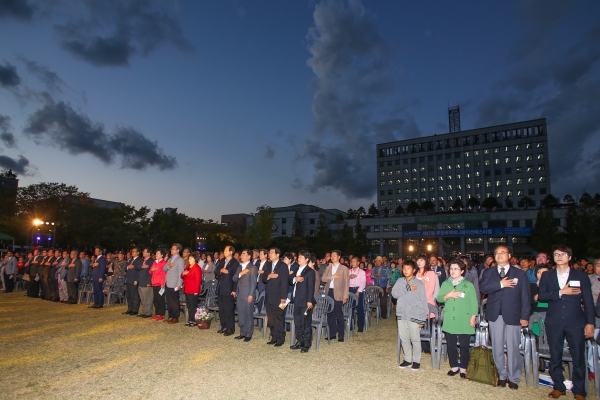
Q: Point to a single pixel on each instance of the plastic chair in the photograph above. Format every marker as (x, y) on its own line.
(367, 299)
(260, 313)
(347, 310)
(289, 319)
(374, 304)
(319, 321)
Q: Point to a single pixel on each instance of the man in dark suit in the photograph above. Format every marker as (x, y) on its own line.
(565, 289)
(508, 309)
(44, 273)
(227, 287)
(276, 279)
(33, 289)
(133, 295)
(304, 300)
(73, 272)
(261, 266)
(245, 276)
(53, 282)
(98, 276)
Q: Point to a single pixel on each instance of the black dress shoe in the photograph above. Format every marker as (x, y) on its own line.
(133, 313)
(341, 339)
(272, 342)
(227, 333)
(240, 337)
(463, 375)
(247, 339)
(360, 330)
(296, 346)
(126, 312)
(502, 382)
(278, 344)
(221, 330)
(513, 385)
(304, 350)
(452, 373)
(332, 337)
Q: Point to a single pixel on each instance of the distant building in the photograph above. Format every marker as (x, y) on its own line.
(107, 203)
(9, 184)
(235, 219)
(300, 219)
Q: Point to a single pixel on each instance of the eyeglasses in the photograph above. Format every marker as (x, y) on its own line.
(560, 255)
(498, 253)
(455, 269)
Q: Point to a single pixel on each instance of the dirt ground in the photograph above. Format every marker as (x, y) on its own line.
(58, 351)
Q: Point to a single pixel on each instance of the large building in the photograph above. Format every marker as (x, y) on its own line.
(504, 161)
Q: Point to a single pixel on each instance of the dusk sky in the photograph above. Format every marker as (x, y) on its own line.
(218, 107)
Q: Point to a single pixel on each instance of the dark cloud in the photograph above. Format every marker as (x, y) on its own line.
(51, 80)
(18, 9)
(351, 62)
(6, 135)
(555, 79)
(20, 166)
(270, 152)
(9, 77)
(58, 124)
(113, 31)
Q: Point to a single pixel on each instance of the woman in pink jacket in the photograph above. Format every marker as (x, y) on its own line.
(158, 284)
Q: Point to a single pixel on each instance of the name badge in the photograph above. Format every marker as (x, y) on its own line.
(574, 283)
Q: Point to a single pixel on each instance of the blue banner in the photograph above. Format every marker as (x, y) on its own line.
(469, 232)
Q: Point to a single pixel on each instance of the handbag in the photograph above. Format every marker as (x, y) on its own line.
(25, 277)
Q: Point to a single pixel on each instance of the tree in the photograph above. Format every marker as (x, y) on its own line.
(399, 209)
(545, 232)
(489, 203)
(473, 202)
(457, 205)
(351, 214)
(413, 207)
(508, 203)
(568, 199)
(361, 241)
(526, 202)
(586, 200)
(360, 212)
(322, 241)
(386, 212)
(427, 206)
(373, 210)
(259, 234)
(549, 201)
(339, 218)
(345, 241)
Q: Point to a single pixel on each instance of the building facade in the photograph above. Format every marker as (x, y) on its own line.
(505, 162)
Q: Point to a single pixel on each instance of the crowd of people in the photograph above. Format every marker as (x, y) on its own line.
(567, 290)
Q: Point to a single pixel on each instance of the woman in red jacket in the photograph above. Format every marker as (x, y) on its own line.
(192, 282)
(158, 284)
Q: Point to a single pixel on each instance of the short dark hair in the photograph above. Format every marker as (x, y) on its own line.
(458, 262)
(179, 247)
(231, 248)
(248, 251)
(147, 249)
(563, 248)
(289, 256)
(542, 266)
(265, 251)
(410, 263)
(524, 258)
(305, 254)
(276, 250)
(135, 248)
(339, 253)
(162, 251)
(99, 248)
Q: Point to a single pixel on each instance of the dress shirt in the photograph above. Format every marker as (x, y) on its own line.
(260, 268)
(562, 278)
(360, 281)
(298, 273)
(333, 271)
(243, 268)
(506, 268)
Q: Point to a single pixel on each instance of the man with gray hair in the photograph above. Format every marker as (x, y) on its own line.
(174, 269)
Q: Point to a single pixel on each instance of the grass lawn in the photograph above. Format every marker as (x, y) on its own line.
(53, 350)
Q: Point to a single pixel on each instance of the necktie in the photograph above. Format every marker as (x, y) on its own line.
(502, 272)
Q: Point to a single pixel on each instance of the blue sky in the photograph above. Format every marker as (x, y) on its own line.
(218, 107)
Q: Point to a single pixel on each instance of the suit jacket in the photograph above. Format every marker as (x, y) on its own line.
(246, 285)
(277, 288)
(144, 279)
(226, 282)
(35, 268)
(132, 274)
(512, 303)
(74, 272)
(99, 271)
(341, 287)
(566, 310)
(305, 290)
(54, 269)
(61, 272)
(44, 270)
(261, 286)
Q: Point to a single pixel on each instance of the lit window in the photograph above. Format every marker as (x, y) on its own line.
(540, 156)
(431, 189)
(382, 173)
(457, 176)
(440, 168)
(415, 190)
(528, 146)
(529, 157)
(541, 167)
(390, 173)
(517, 147)
(425, 199)
(406, 170)
(477, 173)
(467, 175)
(467, 154)
(467, 165)
(519, 170)
(478, 185)
(530, 180)
(441, 188)
(498, 183)
(459, 187)
(449, 167)
(422, 169)
(540, 144)
(414, 170)
(509, 193)
(422, 179)
(496, 149)
(488, 184)
(506, 160)
(486, 162)
(440, 178)
(398, 201)
(486, 152)
(478, 195)
(468, 186)
(382, 183)
(450, 198)
(519, 193)
(441, 198)
(498, 194)
(432, 179)
(542, 179)
(449, 187)
(406, 190)
(390, 182)
(405, 180)
(406, 201)
(459, 197)
(488, 194)
(507, 148)
(398, 172)
(457, 166)
(519, 181)
(496, 161)
(509, 182)
(398, 181)
(449, 177)
(382, 202)
(518, 158)
(530, 168)
(475, 152)
(414, 180)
